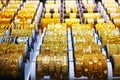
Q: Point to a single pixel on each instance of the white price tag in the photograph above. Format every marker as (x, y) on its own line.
(22, 39)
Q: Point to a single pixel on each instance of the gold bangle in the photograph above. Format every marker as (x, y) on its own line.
(56, 15)
(64, 62)
(68, 10)
(48, 15)
(72, 15)
(39, 66)
(90, 10)
(116, 71)
(78, 65)
(56, 10)
(90, 21)
(10, 65)
(94, 66)
(117, 22)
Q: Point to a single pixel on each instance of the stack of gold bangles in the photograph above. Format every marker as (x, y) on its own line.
(19, 48)
(71, 22)
(2, 48)
(53, 65)
(51, 15)
(90, 7)
(108, 33)
(116, 64)
(72, 12)
(114, 11)
(70, 8)
(114, 15)
(27, 13)
(86, 48)
(117, 22)
(82, 33)
(113, 49)
(83, 27)
(24, 26)
(5, 21)
(2, 33)
(93, 21)
(9, 65)
(55, 40)
(17, 32)
(105, 26)
(94, 66)
(5, 26)
(53, 58)
(12, 48)
(8, 13)
(91, 16)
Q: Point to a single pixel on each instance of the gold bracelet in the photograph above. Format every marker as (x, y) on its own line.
(90, 10)
(48, 15)
(39, 66)
(64, 62)
(78, 65)
(116, 71)
(94, 66)
(56, 15)
(75, 10)
(10, 65)
(68, 10)
(72, 15)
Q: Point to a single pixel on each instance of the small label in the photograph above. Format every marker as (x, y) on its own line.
(22, 39)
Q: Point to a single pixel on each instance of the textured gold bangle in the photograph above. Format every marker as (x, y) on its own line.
(94, 66)
(114, 15)
(71, 22)
(52, 65)
(22, 33)
(56, 15)
(54, 51)
(79, 65)
(72, 15)
(45, 63)
(103, 26)
(75, 10)
(47, 15)
(39, 66)
(102, 58)
(81, 27)
(50, 2)
(117, 22)
(90, 21)
(56, 10)
(5, 21)
(90, 10)
(64, 64)
(90, 6)
(100, 20)
(68, 10)
(91, 16)
(113, 49)
(116, 71)
(9, 65)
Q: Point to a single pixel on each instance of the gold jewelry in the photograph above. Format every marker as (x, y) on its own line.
(94, 66)
(72, 15)
(116, 71)
(10, 65)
